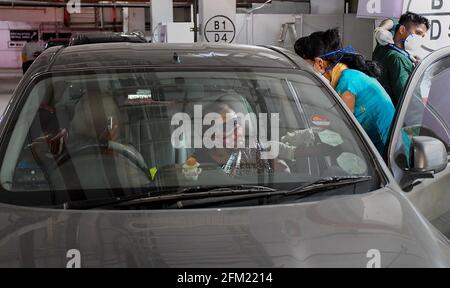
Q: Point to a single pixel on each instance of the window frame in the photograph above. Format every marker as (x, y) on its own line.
(395, 139)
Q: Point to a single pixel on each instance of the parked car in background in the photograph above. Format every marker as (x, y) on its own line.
(90, 165)
(106, 37)
(57, 42)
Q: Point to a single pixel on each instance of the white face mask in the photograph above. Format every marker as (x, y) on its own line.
(413, 43)
(320, 75)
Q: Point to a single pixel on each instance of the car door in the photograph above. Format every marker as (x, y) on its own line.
(425, 111)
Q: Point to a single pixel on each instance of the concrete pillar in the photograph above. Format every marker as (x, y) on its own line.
(137, 19)
(134, 20)
(161, 14)
(327, 6)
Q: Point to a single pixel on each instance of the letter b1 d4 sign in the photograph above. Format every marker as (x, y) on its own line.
(220, 29)
(217, 20)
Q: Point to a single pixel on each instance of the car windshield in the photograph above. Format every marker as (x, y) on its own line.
(94, 135)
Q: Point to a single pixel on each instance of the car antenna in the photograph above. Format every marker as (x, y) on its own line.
(176, 58)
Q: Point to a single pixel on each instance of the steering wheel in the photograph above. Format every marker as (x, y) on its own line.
(133, 155)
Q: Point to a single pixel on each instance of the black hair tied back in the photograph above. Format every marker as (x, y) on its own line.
(358, 62)
(322, 43)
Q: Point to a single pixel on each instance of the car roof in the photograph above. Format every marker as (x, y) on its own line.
(126, 55)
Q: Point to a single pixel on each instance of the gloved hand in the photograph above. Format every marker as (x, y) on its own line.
(279, 150)
(289, 144)
(414, 57)
(303, 138)
(384, 37)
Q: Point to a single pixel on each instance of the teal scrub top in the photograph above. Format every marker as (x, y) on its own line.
(373, 106)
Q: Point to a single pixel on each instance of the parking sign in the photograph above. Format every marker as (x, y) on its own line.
(220, 28)
(217, 20)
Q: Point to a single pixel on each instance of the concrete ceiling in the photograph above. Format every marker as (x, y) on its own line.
(147, 1)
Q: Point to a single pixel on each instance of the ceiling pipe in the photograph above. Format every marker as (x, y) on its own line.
(16, 3)
(143, 4)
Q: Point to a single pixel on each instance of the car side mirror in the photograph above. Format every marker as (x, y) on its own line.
(428, 157)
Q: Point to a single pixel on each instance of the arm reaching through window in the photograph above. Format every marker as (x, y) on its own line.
(292, 141)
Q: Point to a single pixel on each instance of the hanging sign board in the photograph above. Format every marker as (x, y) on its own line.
(380, 8)
(22, 35)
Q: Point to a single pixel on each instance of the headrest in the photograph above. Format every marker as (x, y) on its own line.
(94, 115)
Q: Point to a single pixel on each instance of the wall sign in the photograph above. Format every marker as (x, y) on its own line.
(13, 44)
(380, 8)
(220, 29)
(22, 35)
(217, 20)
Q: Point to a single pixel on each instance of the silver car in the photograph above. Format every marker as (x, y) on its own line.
(107, 161)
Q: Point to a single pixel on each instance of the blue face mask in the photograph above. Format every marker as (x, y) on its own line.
(346, 50)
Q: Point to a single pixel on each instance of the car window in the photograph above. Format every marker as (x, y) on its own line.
(108, 134)
(428, 112)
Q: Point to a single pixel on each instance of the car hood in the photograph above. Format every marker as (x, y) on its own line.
(349, 231)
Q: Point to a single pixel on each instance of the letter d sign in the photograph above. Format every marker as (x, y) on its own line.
(374, 6)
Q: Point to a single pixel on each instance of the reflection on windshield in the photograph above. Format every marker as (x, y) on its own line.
(111, 132)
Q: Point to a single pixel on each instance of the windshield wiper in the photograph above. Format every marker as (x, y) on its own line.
(96, 203)
(184, 193)
(230, 194)
(330, 182)
(201, 192)
(204, 196)
(305, 190)
(228, 188)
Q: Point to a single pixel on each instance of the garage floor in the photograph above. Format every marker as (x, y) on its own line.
(8, 82)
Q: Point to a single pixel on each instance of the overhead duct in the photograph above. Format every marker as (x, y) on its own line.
(16, 3)
(134, 4)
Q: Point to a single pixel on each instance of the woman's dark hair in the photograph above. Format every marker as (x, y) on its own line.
(324, 42)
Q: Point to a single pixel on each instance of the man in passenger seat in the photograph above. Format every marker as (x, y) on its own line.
(245, 161)
(235, 161)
